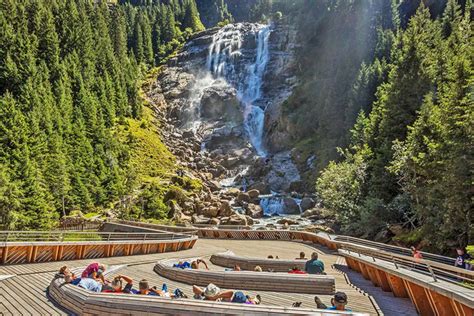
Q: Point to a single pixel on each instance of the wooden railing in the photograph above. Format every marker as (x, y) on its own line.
(31, 247)
(68, 236)
(430, 294)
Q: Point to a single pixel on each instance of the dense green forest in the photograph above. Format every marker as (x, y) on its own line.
(410, 157)
(70, 104)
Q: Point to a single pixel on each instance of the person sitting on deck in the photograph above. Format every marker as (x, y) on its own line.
(302, 256)
(462, 259)
(117, 285)
(182, 265)
(314, 265)
(195, 264)
(338, 302)
(95, 271)
(295, 270)
(258, 269)
(212, 293)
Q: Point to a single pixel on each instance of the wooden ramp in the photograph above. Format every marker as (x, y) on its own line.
(25, 293)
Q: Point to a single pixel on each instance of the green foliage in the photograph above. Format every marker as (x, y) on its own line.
(69, 87)
(419, 132)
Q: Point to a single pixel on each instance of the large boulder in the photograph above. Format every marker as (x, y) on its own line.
(261, 187)
(253, 193)
(290, 206)
(219, 101)
(307, 203)
(311, 213)
(243, 197)
(225, 209)
(237, 219)
(211, 211)
(254, 211)
(200, 219)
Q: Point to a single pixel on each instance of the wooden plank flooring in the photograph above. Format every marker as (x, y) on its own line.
(26, 294)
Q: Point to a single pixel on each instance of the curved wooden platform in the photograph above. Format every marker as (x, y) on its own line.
(430, 296)
(250, 280)
(82, 302)
(229, 259)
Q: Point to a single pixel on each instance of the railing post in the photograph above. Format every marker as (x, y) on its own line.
(432, 273)
(144, 237)
(394, 262)
(61, 237)
(108, 237)
(6, 236)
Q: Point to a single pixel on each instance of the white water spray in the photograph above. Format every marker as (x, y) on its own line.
(223, 52)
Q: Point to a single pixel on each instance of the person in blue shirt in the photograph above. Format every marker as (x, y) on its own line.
(462, 259)
(339, 302)
(314, 265)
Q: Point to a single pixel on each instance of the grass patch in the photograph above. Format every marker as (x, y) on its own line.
(149, 157)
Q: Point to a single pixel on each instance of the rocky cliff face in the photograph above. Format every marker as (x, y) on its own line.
(219, 102)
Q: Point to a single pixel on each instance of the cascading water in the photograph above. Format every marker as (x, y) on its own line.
(224, 50)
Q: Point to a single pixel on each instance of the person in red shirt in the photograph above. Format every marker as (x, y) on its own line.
(295, 270)
(95, 271)
(416, 254)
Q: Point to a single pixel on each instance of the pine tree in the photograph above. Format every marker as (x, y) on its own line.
(191, 17)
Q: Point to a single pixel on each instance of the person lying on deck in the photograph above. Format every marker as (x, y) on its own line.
(117, 285)
(195, 264)
(212, 293)
(182, 265)
(92, 285)
(314, 265)
(94, 271)
(65, 271)
(145, 289)
(240, 297)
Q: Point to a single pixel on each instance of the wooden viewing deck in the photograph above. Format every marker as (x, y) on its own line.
(24, 292)
(23, 286)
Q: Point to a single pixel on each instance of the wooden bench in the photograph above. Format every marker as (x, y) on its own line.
(250, 280)
(82, 302)
(229, 259)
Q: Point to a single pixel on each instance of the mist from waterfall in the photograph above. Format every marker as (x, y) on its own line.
(224, 50)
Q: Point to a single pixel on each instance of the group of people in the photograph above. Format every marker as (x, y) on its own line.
(93, 279)
(462, 260)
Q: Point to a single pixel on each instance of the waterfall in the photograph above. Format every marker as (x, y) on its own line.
(223, 55)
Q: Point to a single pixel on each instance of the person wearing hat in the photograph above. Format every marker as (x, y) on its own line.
(212, 293)
(339, 302)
